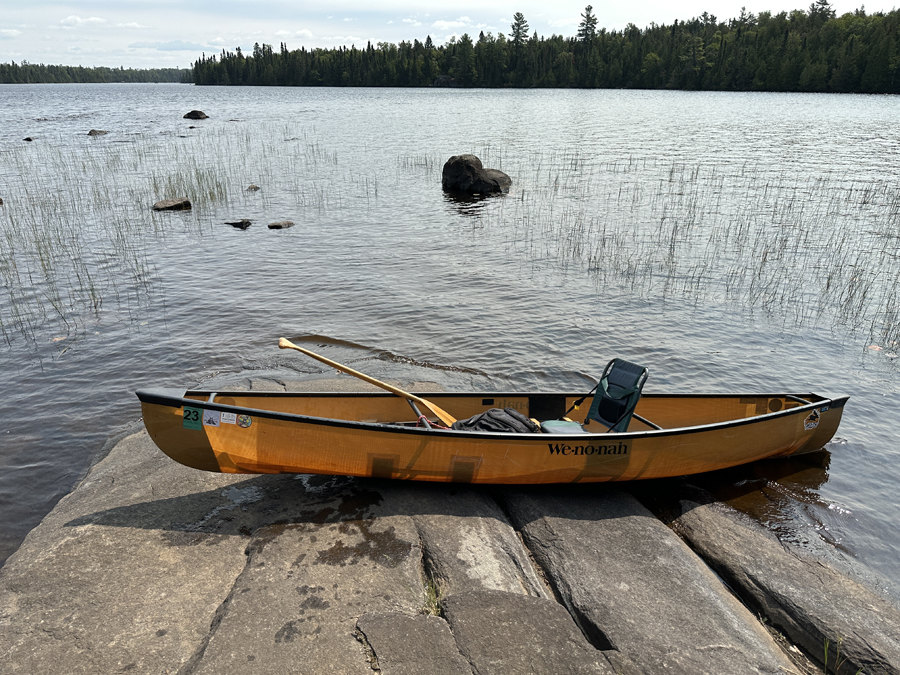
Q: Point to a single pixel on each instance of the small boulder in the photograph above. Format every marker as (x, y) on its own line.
(28, 138)
(179, 204)
(281, 225)
(465, 173)
(1, 201)
(253, 188)
(196, 115)
(241, 224)
(97, 132)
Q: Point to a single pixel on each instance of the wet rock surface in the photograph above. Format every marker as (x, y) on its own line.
(196, 115)
(177, 204)
(281, 225)
(151, 567)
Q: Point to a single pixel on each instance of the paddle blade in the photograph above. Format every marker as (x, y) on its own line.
(442, 415)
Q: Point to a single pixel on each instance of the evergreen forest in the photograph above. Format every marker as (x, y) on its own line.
(809, 50)
(31, 73)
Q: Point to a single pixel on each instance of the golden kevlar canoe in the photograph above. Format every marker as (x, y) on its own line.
(374, 434)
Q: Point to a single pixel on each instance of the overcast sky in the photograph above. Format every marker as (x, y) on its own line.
(174, 33)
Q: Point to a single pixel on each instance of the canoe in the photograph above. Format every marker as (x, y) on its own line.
(376, 435)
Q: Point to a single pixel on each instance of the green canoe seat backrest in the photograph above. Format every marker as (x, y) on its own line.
(617, 394)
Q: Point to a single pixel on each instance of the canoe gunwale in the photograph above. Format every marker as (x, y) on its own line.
(176, 398)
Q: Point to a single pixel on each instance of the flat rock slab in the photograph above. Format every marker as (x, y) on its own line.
(281, 225)
(179, 204)
(806, 599)
(468, 543)
(109, 580)
(514, 634)
(411, 645)
(295, 606)
(634, 586)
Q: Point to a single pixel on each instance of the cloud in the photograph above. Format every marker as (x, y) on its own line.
(461, 22)
(341, 39)
(132, 24)
(412, 22)
(73, 21)
(173, 46)
(304, 33)
(9, 33)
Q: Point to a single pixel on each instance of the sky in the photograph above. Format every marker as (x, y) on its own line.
(174, 33)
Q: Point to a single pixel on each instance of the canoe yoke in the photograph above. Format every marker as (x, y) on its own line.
(617, 395)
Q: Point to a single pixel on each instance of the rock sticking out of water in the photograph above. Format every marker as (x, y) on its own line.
(196, 115)
(28, 138)
(465, 173)
(177, 204)
(241, 224)
(97, 132)
(253, 188)
(281, 225)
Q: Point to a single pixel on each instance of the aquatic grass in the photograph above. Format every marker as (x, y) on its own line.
(77, 232)
(805, 248)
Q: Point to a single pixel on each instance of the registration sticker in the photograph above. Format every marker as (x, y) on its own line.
(229, 418)
(211, 418)
(192, 418)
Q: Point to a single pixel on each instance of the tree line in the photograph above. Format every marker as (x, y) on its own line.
(804, 50)
(32, 73)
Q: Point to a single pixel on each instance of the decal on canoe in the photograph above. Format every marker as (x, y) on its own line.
(244, 421)
(619, 448)
(192, 418)
(211, 418)
(811, 421)
(229, 418)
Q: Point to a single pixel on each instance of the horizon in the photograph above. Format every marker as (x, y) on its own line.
(92, 34)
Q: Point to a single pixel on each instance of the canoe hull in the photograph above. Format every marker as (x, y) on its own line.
(239, 432)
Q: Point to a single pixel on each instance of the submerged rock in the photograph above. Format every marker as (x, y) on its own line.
(178, 204)
(196, 115)
(465, 173)
(241, 224)
(281, 225)
(97, 132)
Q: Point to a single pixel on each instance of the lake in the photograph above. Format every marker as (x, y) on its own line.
(740, 242)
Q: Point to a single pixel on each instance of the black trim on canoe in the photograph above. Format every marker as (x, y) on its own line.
(175, 398)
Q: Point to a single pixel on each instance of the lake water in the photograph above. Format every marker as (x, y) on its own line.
(730, 242)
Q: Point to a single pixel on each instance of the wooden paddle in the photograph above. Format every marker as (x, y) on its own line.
(443, 415)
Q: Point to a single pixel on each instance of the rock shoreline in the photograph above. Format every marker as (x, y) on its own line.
(151, 567)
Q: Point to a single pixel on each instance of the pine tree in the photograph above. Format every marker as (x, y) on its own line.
(519, 30)
(587, 29)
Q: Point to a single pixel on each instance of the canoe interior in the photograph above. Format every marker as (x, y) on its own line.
(666, 411)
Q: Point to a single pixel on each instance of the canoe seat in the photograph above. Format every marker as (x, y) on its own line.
(618, 393)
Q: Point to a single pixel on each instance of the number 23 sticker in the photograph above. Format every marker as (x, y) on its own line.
(192, 419)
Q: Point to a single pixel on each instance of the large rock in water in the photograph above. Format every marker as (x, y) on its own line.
(465, 173)
(196, 115)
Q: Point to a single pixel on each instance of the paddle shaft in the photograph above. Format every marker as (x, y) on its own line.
(445, 417)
